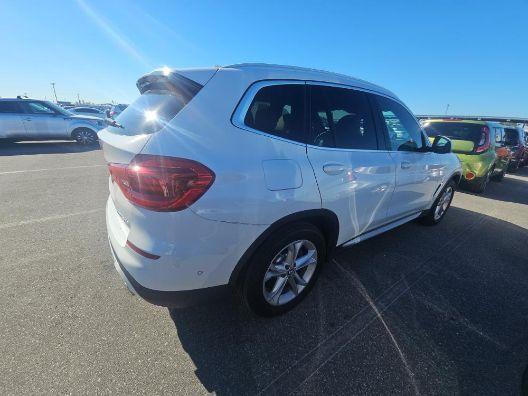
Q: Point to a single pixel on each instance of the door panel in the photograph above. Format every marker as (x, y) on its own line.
(44, 126)
(42, 122)
(11, 126)
(417, 177)
(356, 185)
(355, 179)
(418, 172)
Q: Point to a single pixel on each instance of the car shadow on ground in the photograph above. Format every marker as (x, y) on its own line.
(513, 188)
(48, 147)
(415, 310)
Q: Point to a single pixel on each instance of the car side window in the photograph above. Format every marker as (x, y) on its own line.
(498, 136)
(404, 131)
(38, 108)
(341, 118)
(279, 111)
(7, 107)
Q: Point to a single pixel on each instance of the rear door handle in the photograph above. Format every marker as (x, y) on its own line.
(28, 119)
(333, 169)
(405, 165)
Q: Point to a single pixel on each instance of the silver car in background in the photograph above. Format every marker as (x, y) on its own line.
(88, 111)
(31, 119)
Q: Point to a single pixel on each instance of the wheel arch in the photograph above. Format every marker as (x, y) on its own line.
(456, 177)
(324, 219)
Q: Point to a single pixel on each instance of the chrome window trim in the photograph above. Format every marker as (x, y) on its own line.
(237, 119)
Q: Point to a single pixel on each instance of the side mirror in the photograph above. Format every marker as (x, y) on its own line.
(441, 145)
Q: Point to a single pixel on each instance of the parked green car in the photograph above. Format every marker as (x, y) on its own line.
(479, 146)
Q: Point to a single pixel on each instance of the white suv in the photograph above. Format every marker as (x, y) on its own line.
(247, 177)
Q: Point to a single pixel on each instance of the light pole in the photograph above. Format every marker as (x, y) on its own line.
(54, 92)
(447, 108)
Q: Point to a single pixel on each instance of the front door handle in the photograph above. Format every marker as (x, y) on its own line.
(333, 169)
(405, 165)
(28, 119)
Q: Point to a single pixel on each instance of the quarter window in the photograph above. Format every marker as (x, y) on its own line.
(404, 132)
(279, 111)
(341, 118)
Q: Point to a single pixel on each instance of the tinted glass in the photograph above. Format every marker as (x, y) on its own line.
(9, 107)
(278, 110)
(341, 118)
(511, 137)
(148, 114)
(404, 131)
(455, 130)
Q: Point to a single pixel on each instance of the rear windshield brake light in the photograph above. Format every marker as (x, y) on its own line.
(484, 142)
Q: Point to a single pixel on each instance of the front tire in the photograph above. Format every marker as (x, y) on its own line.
(284, 269)
(440, 206)
(85, 136)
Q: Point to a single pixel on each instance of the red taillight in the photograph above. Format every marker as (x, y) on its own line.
(470, 175)
(484, 142)
(163, 184)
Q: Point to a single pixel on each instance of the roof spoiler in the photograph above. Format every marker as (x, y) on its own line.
(174, 83)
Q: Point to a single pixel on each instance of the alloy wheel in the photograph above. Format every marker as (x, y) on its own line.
(443, 203)
(289, 272)
(85, 137)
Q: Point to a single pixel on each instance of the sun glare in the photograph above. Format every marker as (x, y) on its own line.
(151, 115)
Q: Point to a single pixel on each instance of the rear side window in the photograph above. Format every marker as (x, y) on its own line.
(341, 118)
(9, 107)
(279, 111)
(404, 131)
(162, 98)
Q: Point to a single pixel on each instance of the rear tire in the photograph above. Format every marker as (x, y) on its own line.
(440, 206)
(284, 269)
(85, 136)
(481, 187)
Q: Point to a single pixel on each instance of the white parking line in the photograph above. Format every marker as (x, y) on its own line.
(51, 169)
(48, 218)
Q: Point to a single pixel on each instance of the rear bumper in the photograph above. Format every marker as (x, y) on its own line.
(170, 299)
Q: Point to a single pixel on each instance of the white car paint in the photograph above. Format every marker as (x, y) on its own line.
(260, 180)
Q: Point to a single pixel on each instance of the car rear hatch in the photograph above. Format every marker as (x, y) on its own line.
(164, 94)
(466, 137)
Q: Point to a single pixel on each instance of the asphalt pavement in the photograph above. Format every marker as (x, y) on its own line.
(417, 310)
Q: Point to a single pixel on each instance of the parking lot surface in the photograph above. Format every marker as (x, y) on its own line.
(417, 310)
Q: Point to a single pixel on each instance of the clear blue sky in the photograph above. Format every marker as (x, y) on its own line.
(470, 54)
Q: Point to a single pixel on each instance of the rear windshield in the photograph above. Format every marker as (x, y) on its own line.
(455, 130)
(159, 103)
(147, 114)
